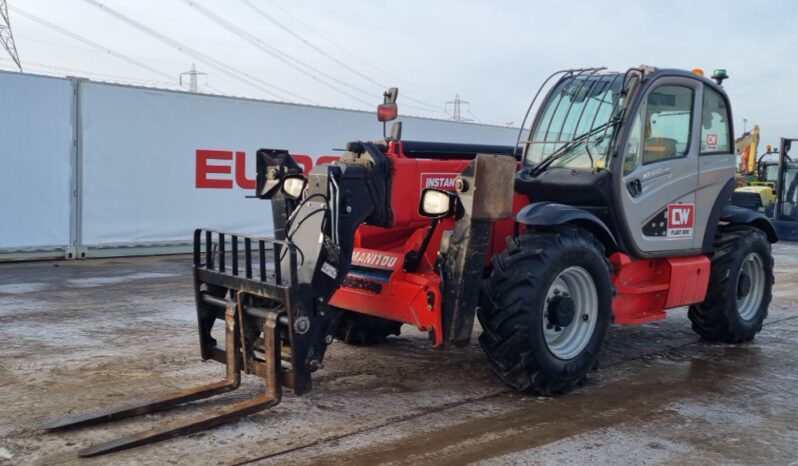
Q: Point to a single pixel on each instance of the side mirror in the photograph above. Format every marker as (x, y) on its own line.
(294, 185)
(437, 203)
(396, 131)
(389, 97)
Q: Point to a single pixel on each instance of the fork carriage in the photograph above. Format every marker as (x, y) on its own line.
(251, 303)
(259, 282)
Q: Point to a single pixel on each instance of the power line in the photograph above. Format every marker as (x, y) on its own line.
(474, 116)
(82, 39)
(344, 50)
(66, 71)
(278, 54)
(308, 43)
(7, 35)
(85, 49)
(210, 61)
(324, 53)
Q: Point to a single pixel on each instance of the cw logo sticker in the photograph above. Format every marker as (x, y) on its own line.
(681, 218)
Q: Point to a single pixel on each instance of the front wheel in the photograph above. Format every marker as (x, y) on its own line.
(545, 309)
(740, 286)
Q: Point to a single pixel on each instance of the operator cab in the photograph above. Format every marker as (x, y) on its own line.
(647, 152)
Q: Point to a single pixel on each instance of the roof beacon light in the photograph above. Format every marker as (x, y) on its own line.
(719, 75)
(698, 71)
(388, 110)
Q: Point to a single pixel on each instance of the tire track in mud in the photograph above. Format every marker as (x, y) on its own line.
(672, 351)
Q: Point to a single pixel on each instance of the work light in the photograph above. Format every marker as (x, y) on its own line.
(294, 185)
(436, 203)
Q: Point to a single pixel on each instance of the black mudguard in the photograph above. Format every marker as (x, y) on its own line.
(543, 214)
(741, 216)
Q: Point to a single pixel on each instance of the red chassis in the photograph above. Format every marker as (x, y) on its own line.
(379, 285)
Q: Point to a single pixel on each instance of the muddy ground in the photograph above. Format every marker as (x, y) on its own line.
(78, 335)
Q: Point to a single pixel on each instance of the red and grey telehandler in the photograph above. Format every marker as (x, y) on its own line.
(613, 207)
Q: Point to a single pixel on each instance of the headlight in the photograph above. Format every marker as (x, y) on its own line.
(294, 185)
(436, 203)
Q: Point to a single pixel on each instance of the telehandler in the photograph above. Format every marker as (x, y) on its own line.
(613, 206)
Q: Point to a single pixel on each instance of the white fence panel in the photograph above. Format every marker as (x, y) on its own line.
(156, 164)
(36, 137)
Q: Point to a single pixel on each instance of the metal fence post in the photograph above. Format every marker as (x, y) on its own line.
(76, 250)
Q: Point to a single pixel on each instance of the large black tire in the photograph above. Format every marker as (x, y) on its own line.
(728, 314)
(516, 299)
(365, 330)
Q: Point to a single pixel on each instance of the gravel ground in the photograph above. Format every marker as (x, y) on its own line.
(79, 335)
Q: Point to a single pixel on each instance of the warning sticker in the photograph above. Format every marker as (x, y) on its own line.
(712, 141)
(680, 220)
(330, 270)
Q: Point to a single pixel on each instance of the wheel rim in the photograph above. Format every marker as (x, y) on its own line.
(567, 340)
(750, 286)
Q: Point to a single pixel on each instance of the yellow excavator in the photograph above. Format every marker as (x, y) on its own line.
(754, 189)
(747, 146)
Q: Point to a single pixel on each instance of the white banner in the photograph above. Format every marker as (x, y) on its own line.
(157, 164)
(35, 148)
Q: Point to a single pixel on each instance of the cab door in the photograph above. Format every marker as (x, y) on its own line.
(659, 179)
(716, 158)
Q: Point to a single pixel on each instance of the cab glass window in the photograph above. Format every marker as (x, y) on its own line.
(667, 123)
(576, 122)
(714, 124)
(633, 147)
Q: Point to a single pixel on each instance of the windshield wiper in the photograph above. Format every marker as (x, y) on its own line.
(566, 148)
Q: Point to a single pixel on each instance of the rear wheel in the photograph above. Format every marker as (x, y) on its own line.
(365, 330)
(545, 309)
(740, 286)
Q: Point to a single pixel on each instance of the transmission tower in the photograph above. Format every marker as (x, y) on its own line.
(6, 36)
(193, 82)
(457, 105)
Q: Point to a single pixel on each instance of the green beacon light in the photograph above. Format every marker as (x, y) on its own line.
(719, 75)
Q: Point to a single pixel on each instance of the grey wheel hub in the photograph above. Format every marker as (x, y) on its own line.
(750, 287)
(562, 310)
(743, 285)
(570, 312)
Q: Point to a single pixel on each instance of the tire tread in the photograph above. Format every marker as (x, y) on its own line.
(504, 309)
(716, 319)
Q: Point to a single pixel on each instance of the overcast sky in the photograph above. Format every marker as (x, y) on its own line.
(494, 54)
